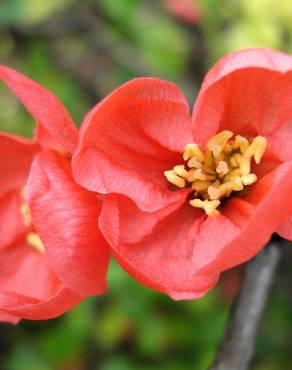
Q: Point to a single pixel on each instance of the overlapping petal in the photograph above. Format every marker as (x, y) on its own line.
(130, 138)
(254, 217)
(12, 224)
(55, 126)
(181, 251)
(16, 157)
(156, 248)
(66, 218)
(5, 317)
(28, 286)
(248, 92)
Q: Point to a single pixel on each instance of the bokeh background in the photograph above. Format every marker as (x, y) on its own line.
(81, 50)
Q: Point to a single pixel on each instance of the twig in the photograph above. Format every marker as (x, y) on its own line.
(237, 347)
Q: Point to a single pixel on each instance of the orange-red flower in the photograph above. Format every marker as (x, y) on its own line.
(177, 214)
(51, 252)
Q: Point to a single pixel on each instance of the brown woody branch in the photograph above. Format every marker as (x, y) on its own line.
(237, 347)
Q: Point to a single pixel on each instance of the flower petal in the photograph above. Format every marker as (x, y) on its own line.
(16, 156)
(33, 309)
(285, 229)
(182, 252)
(12, 222)
(156, 248)
(131, 138)
(56, 127)
(65, 216)
(247, 92)
(5, 317)
(254, 218)
(28, 287)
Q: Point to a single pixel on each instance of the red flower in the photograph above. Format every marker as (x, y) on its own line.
(47, 213)
(188, 10)
(133, 139)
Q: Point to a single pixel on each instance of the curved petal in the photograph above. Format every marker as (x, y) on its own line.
(16, 157)
(28, 287)
(131, 138)
(254, 218)
(12, 221)
(5, 317)
(65, 216)
(56, 127)
(156, 248)
(33, 309)
(247, 92)
(285, 229)
(182, 252)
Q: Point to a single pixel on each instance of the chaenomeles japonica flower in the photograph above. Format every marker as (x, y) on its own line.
(52, 254)
(188, 197)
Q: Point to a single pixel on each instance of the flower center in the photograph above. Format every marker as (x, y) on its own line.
(223, 168)
(32, 238)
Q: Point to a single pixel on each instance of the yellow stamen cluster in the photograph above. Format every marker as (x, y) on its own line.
(223, 168)
(32, 238)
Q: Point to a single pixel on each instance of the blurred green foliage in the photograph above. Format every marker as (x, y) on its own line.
(81, 51)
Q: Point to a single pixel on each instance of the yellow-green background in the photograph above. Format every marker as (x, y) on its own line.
(81, 50)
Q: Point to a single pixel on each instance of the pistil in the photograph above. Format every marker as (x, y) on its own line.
(222, 169)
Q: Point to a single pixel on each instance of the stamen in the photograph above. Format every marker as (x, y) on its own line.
(34, 240)
(214, 192)
(24, 209)
(223, 169)
(180, 170)
(192, 150)
(175, 179)
(208, 205)
(216, 144)
(257, 149)
(194, 163)
(249, 179)
(241, 143)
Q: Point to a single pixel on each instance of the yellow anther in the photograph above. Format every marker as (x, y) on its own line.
(34, 240)
(214, 192)
(208, 205)
(216, 149)
(226, 187)
(222, 167)
(196, 174)
(199, 185)
(249, 179)
(194, 163)
(175, 179)
(217, 143)
(192, 150)
(241, 143)
(210, 208)
(25, 211)
(256, 149)
(180, 170)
